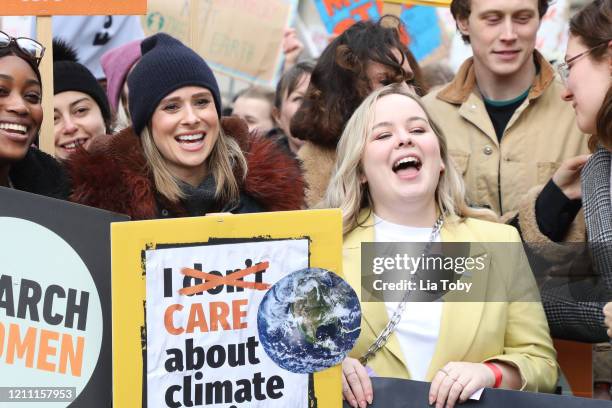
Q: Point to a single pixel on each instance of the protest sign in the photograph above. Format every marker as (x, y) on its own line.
(232, 39)
(186, 294)
(397, 393)
(425, 37)
(72, 7)
(338, 15)
(55, 311)
(171, 17)
(92, 36)
(423, 33)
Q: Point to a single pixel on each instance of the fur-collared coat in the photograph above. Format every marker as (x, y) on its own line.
(317, 165)
(113, 175)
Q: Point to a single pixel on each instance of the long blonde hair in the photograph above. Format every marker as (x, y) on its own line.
(224, 162)
(346, 190)
(122, 117)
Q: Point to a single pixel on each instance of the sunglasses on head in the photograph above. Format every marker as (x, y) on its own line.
(26, 46)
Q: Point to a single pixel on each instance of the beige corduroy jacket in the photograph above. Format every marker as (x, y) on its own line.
(539, 136)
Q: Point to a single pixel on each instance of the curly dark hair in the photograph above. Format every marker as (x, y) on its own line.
(461, 9)
(339, 81)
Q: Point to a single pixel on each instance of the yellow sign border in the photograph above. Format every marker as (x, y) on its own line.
(129, 239)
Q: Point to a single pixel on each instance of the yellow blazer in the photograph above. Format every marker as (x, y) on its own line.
(513, 332)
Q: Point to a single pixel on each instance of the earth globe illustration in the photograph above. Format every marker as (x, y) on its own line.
(309, 320)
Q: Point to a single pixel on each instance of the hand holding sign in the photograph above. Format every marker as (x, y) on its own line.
(456, 382)
(356, 384)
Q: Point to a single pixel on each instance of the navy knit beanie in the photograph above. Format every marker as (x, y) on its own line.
(72, 76)
(166, 65)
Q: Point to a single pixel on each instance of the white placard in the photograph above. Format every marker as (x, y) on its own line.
(205, 348)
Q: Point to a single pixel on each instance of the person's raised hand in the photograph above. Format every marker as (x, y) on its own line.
(292, 47)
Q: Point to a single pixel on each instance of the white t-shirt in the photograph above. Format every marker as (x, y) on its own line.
(419, 327)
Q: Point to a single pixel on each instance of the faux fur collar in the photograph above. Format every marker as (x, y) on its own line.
(114, 175)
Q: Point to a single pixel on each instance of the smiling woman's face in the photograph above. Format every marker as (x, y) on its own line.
(20, 108)
(185, 128)
(77, 122)
(589, 80)
(401, 161)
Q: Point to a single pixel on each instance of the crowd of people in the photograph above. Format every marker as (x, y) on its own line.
(510, 150)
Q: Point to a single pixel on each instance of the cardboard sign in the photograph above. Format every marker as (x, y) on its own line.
(171, 17)
(55, 311)
(72, 7)
(338, 15)
(186, 295)
(230, 36)
(397, 393)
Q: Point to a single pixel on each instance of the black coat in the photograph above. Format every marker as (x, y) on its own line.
(40, 173)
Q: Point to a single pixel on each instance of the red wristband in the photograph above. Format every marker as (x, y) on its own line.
(496, 372)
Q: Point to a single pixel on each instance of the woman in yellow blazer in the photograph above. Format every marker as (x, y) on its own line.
(394, 181)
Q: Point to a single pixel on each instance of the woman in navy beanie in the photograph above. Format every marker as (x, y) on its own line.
(179, 158)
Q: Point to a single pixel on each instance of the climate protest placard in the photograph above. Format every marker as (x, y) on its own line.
(55, 311)
(196, 343)
(171, 17)
(338, 15)
(423, 33)
(193, 329)
(230, 35)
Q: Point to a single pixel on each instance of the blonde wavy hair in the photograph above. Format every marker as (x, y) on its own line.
(346, 190)
(224, 162)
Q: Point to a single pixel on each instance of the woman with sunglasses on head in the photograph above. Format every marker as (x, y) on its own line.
(552, 215)
(23, 166)
(365, 57)
(179, 158)
(395, 182)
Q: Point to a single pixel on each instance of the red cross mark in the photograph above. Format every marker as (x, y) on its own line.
(211, 281)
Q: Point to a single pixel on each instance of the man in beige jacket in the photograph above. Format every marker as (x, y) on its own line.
(507, 128)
